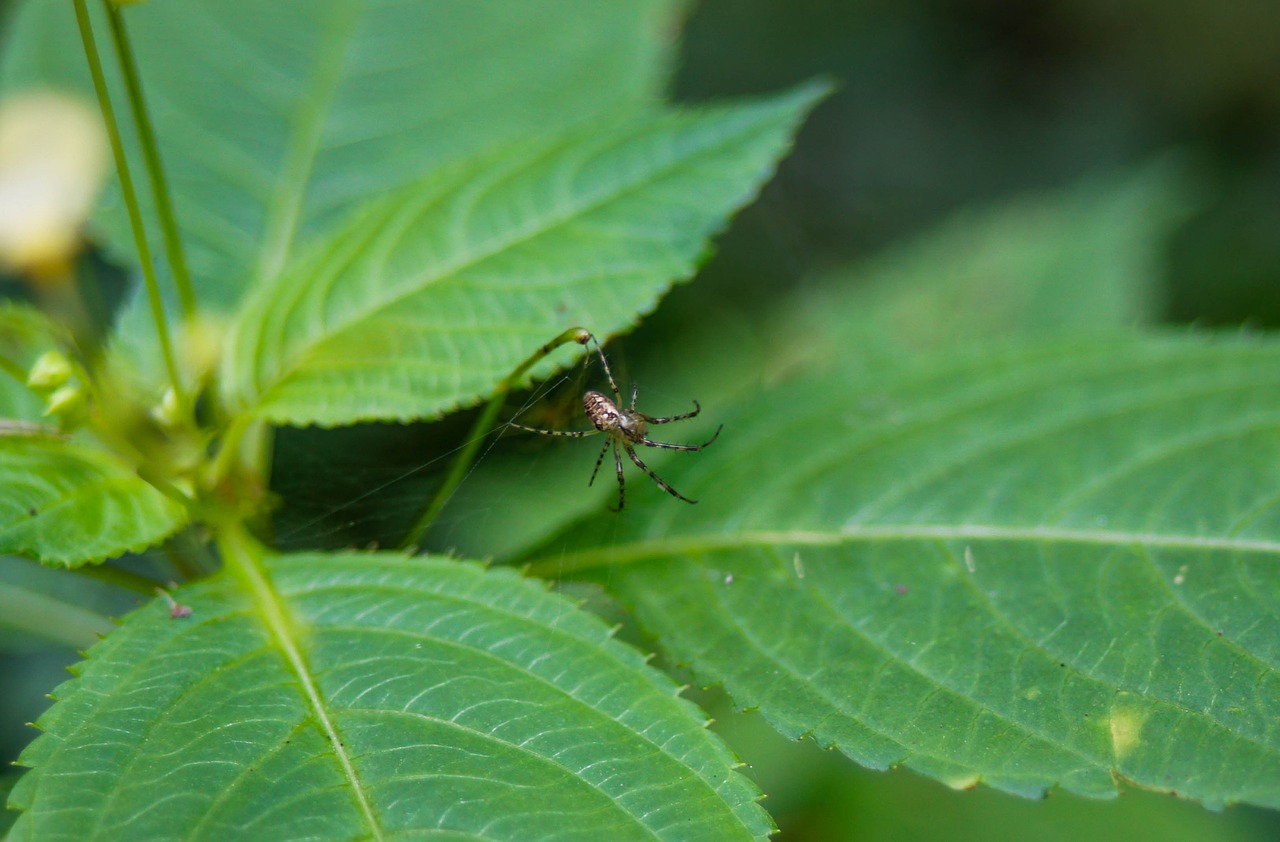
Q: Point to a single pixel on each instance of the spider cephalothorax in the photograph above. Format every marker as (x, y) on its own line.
(625, 426)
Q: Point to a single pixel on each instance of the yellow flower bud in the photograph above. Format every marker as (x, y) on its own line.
(69, 403)
(52, 370)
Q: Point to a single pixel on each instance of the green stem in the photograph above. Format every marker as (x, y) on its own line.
(191, 558)
(51, 619)
(483, 424)
(130, 198)
(118, 577)
(151, 156)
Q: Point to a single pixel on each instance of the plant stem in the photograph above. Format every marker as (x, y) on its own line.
(119, 577)
(51, 619)
(130, 199)
(151, 156)
(478, 432)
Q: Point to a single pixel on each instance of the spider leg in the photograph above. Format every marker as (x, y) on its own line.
(697, 407)
(635, 393)
(599, 460)
(665, 446)
(642, 466)
(613, 384)
(622, 481)
(572, 434)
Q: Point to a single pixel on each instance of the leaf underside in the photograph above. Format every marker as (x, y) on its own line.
(1044, 565)
(375, 696)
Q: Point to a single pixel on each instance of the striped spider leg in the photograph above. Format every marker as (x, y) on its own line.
(625, 426)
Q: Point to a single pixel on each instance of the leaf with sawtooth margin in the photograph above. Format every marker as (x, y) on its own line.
(433, 295)
(375, 696)
(67, 503)
(1044, 564)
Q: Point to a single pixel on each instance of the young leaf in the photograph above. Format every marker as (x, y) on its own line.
(1052, 564)
(375, 696)
(69, 504)
(276, 119)
(429, 298)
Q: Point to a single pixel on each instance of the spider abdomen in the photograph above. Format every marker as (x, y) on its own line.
(602, 412)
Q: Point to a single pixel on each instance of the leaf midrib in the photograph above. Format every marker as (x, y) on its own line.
(284, 207)
(273, 613)
(639, 551)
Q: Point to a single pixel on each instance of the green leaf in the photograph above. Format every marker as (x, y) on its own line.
(375, 696)
(69, 504)
(274, 120)
(434, 294)
(1047, 564)
(1085, 258)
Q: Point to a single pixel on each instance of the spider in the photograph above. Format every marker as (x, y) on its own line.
(625, 427)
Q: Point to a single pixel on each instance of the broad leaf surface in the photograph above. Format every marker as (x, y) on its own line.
(370, 696)
(434, 294)
(276, 119)
(1085, 258)
(1046, 565)
(67, 504)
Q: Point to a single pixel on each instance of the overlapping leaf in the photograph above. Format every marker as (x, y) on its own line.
(433, 295)
(1084, 258)
(1088, 257)
(277, 119)
(1046, 565)
(66, 503)
(375, 696)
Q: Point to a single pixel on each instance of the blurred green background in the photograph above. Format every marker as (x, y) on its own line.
(943, 106)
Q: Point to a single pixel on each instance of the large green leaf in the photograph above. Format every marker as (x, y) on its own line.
(1050, 564)
(67, 503)
(436, 293)
(371, 696)
(1083, 258)
(275, 119)
(1086, 257)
